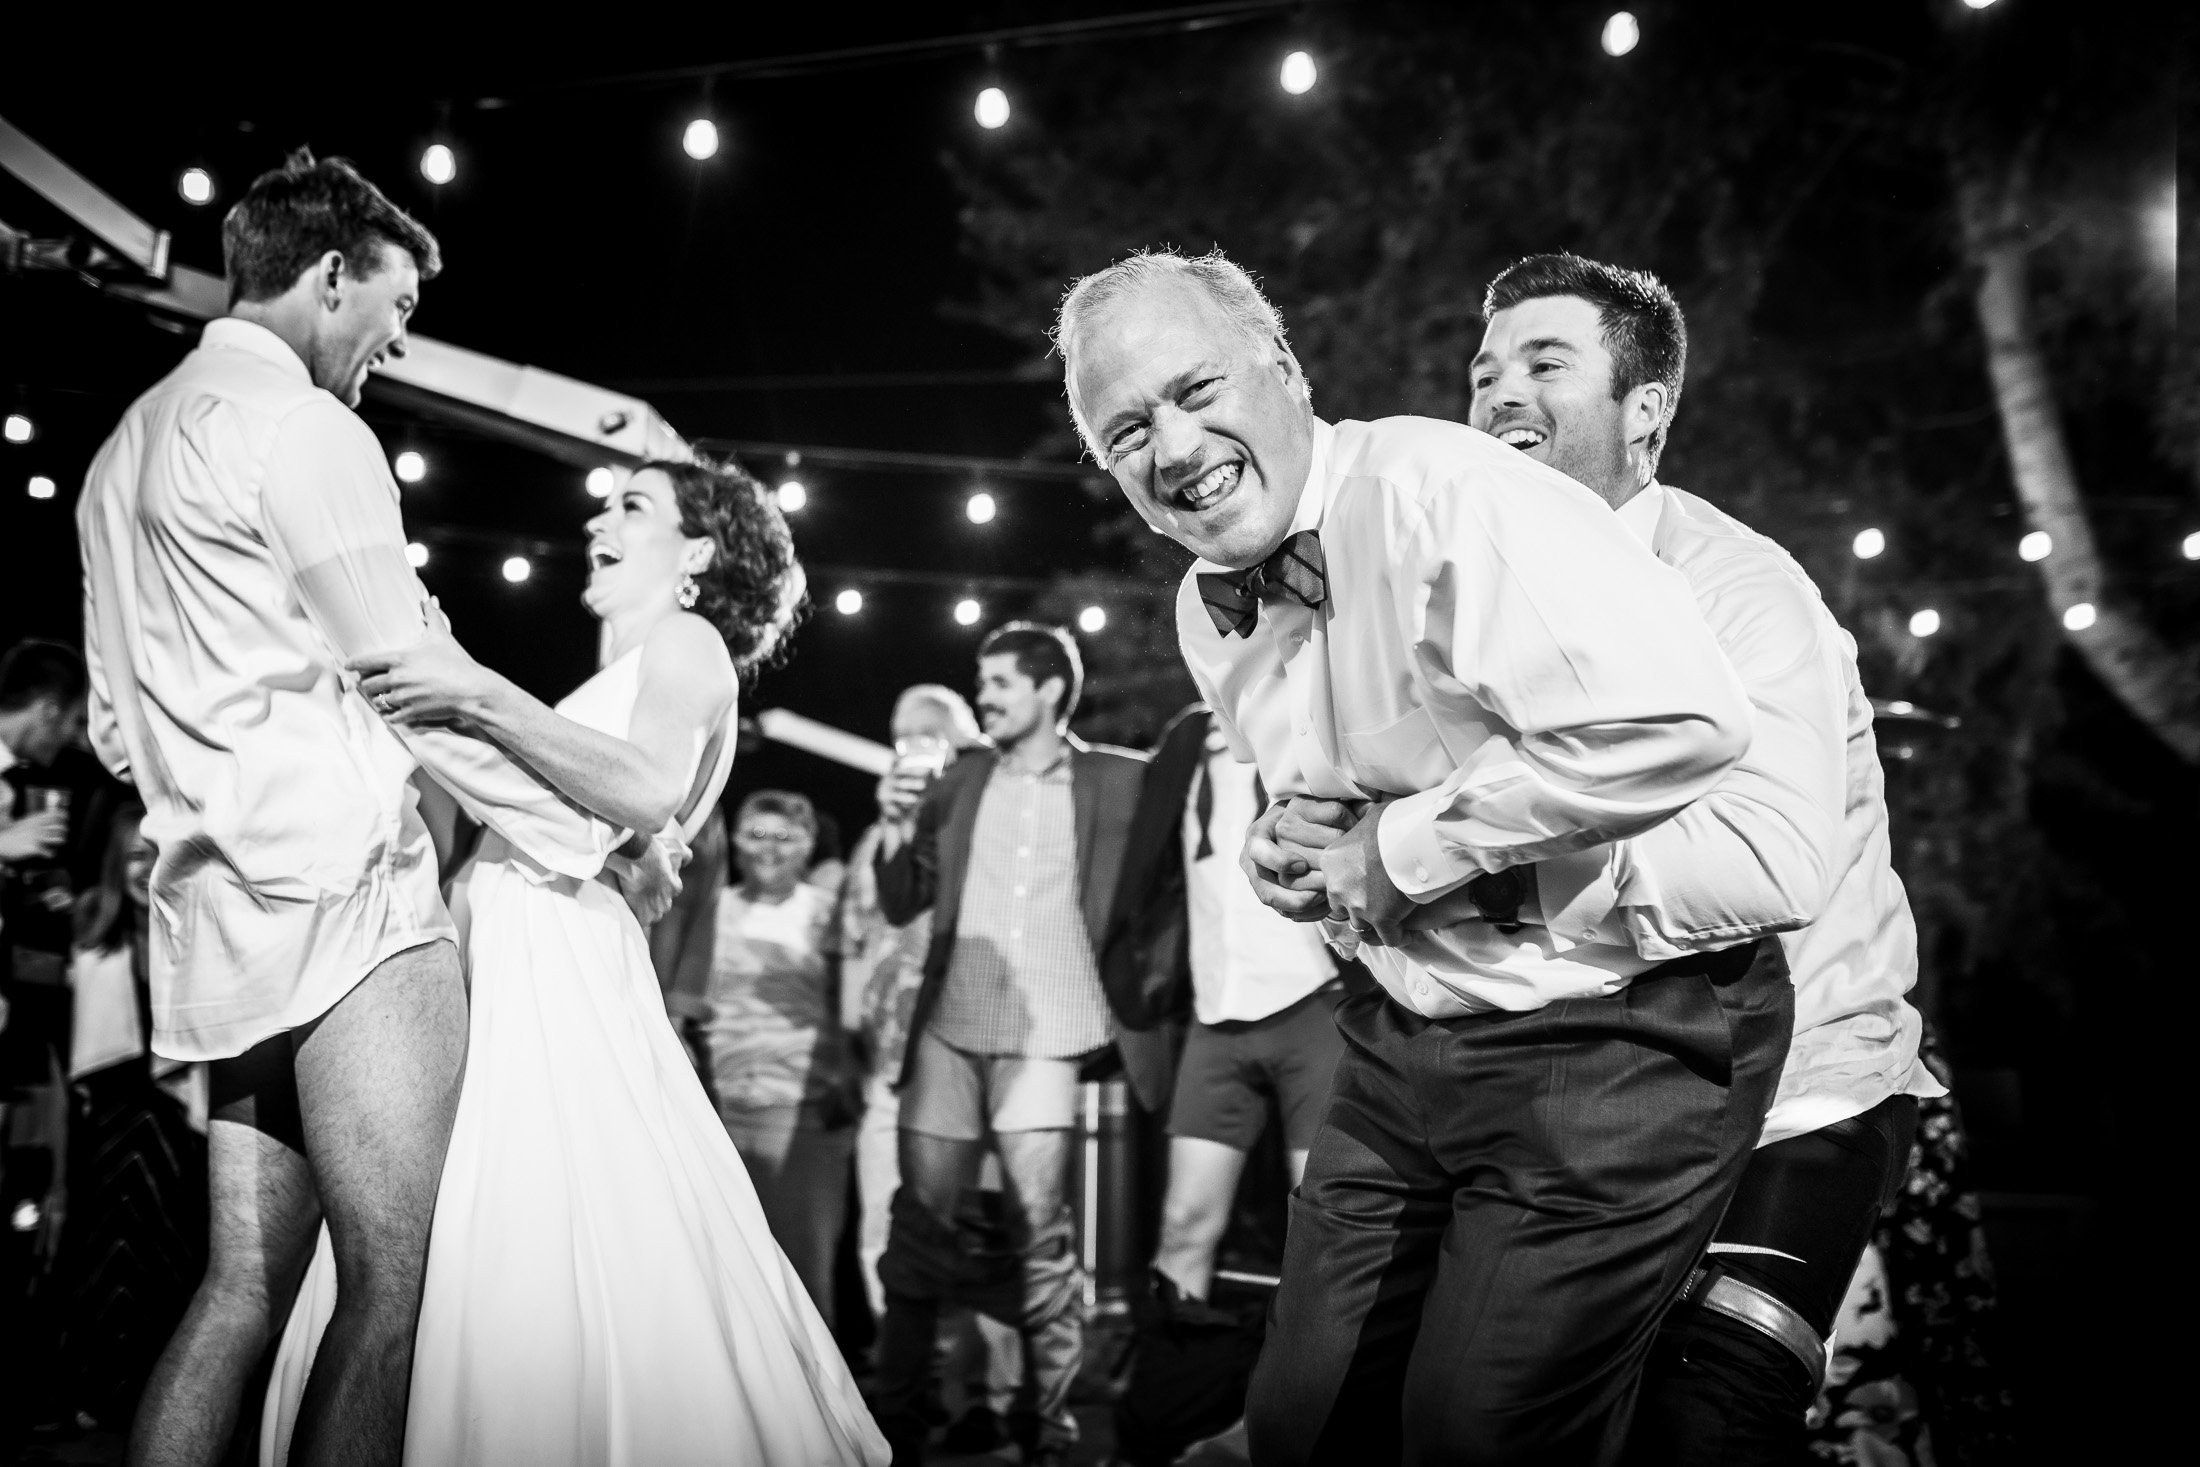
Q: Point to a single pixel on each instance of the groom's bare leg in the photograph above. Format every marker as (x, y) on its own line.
(378, 1079)
(264, 1216)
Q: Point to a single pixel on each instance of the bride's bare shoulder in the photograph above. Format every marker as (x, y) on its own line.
(687, 646)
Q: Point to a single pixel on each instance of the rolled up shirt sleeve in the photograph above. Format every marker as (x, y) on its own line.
(331, 513)
(1607, 703)
(1759, 854)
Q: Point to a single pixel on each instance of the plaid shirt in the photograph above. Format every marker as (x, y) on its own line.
(1022, 980)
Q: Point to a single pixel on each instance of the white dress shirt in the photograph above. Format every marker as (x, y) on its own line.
(1498, 652)
(241, 538)
(1793, 841)
(1247, 962)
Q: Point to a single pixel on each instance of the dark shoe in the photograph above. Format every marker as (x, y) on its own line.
(980, 1430)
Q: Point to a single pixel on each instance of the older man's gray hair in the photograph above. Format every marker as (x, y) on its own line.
(1224, 281)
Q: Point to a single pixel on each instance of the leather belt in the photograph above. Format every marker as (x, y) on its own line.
(1711, 1287)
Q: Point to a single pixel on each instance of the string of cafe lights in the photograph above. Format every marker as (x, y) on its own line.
(981, 507)
(1297, 74)
(702, 138)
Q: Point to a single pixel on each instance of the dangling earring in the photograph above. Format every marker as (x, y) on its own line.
(688, 591)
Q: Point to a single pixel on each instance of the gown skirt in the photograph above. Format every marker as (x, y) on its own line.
(602, 1289)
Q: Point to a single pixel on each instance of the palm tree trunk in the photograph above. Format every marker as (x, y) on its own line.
(2123, 651)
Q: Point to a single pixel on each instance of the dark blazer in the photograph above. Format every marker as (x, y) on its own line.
(1146, 963)
(928, 871)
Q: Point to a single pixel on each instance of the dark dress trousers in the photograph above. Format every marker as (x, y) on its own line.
(1146, 962)
(1499, 1210)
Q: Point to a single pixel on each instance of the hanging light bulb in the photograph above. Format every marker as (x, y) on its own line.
(1621, 33)
(991, 109)
(2036, 546)
(517, 569)
(1092, 619)
(981, 508)
(1977, 4)
(601, 481)
(1869, 543)
(411, 467)
(438, 164)
(40, 487)
(848, 602)
(18, 428)
(2079, 617)
(1297, 76)
(2191, 546)
(196, 185)
(416, 554)
(792, 496)
(968, 611)
(1924, 623)
(701, 139)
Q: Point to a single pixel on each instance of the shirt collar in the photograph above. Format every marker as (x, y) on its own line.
(1641, 513)
(7, 757)
(235, 334)
(1313, 495)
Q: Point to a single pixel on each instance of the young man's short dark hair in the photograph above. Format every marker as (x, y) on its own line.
(1642, 323)
(1041, 652)
(32, 670)
(295, 214)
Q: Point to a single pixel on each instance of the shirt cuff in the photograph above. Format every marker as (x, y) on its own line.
(1418, 864)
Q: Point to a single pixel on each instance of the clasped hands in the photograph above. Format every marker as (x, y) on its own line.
(1313, 859)
(647, 872)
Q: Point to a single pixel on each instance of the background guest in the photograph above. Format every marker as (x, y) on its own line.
(135, 1240)
(777, 1059)
(42, 687)
(882, 967)
(1016, 850)
(1262, 996)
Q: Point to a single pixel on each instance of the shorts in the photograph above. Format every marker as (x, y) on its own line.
(1229, 1070)
(958, 1096)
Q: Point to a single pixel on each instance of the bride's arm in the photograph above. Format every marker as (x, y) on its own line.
(687, 688)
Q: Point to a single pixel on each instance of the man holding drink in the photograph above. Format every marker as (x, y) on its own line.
(1015, 851)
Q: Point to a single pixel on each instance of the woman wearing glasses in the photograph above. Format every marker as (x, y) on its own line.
(777, 1060)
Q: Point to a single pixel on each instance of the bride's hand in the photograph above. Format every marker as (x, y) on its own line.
(431, 682)
(649, 878)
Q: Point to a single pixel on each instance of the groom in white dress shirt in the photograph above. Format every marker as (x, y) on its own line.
(1530, 1138)
(241, 538)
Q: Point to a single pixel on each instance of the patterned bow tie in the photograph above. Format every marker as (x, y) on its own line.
(1297, 570)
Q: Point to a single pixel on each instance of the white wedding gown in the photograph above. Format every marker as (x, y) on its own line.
(602, 1290)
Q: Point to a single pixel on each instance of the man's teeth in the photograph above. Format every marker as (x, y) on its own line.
(1212, 485)
(1521, 437)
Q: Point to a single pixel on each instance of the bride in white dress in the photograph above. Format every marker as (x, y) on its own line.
(601, 1286)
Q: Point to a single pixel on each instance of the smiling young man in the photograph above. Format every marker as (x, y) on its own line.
(1016, 851)
(1529, 1140)
(241, 537)
(1581, 368)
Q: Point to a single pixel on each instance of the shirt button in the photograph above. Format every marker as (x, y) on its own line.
(1019, 891)
(1420, 874)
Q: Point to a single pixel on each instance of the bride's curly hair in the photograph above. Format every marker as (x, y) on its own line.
(753, 590)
